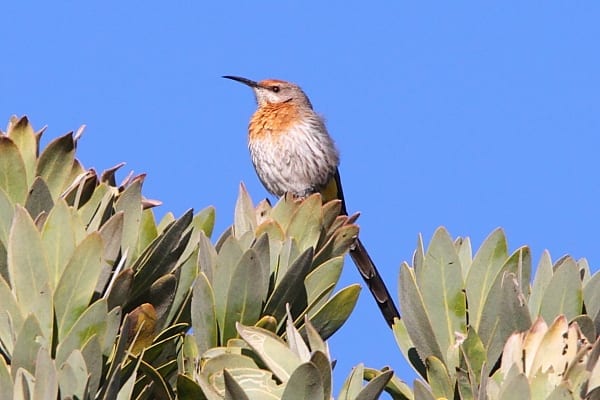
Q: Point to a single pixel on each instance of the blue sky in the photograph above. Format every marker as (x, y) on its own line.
(459, 114)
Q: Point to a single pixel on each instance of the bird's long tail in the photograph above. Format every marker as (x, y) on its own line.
(362, 260)
(376, 285)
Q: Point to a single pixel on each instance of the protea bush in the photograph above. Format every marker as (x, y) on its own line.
(477, 328)
(98, 300)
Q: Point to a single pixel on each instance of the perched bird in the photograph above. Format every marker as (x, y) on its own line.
(292, 152)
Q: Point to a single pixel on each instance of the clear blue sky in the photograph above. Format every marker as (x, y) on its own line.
(460, 114)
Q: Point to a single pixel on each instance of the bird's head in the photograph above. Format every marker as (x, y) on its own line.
(274, 91)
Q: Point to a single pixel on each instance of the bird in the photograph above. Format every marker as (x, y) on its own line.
(293, 153)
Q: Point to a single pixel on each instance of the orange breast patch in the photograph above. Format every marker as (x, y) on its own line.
(272, 120)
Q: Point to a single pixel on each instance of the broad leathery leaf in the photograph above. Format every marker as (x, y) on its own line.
(96, 204)
(77, 283)
(323, 364)
(263, 210)
(233, 390)
(584, 270)
(143, 328)
(485, 267)
(465, 255)
(161, 295)
(287, 254)
(375, 387)
(27, 346)
(113, 322)
(120, 290)
(561, 392)
(4, 263)
(422, 391)
(353, 384)
(187, 389)
(207, 257)
(130, 202)
(543, 276)
(267, 322)
(10, 311)
(116, 373)
(92, 354)
(73, 376)
(416, 319)
(407, 347)
(465, 386)
(111, 234)
(204, 318)
(257, 383)
(306, 222)
(263, 253)
(244, 295)
(504, 312)
(126, 391)
(22, 135)
(338, 245)
(587, 327)
(557, 347)
(331, 210)
(39, 198)
(295, 341)
(332, 315)
(56, 162)
(160, 388)
(319, 283)
(46, 379)
(7, 211)
(515, 387)
(6, 382)
(28, 270)
(59, 240)
(24, 385)
(473, 353)
(440, 282)
(591, 297)
(564, 294)
(272, 350)
(396, 388)
(288, 289)
(81, 186)
(316, 343)
(272, 228)
(186, 275)
(284, 209)
(305, 383)
(148, 230)
(522, 256)
(228, 259)
(162, 255)
(93, 321)
(13, 176)
(244, 219)
(205, 220)
(231, 361)
(438, 378)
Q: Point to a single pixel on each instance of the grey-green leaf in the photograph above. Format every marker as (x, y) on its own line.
(305, 383)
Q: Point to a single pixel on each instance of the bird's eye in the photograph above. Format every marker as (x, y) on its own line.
(275, 89)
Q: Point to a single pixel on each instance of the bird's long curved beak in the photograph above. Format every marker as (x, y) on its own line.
(245, 81)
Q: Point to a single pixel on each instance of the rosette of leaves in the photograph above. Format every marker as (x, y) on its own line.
(93, 290)
(548, 362)
(272, 271)
(459, 311)
(291, 253)
(264, 366)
